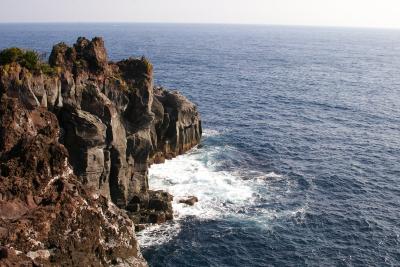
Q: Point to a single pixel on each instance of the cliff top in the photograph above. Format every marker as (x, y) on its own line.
(85, 55)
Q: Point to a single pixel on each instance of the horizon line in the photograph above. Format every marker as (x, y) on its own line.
(204, 23)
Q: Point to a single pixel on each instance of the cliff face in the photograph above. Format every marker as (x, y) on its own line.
(75, 148)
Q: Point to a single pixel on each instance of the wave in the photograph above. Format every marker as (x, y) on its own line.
(158, 234)
(210, 132)
(197, 174)
(224, 187)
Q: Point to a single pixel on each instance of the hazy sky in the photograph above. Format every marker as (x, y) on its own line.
(359, 13)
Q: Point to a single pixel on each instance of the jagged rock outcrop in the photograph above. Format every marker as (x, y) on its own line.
(75, 148)
(46, 215)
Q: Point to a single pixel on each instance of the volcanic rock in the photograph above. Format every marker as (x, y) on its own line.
(75, 147)
(189, 200)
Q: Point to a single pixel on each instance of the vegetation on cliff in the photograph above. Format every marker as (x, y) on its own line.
(26, 58)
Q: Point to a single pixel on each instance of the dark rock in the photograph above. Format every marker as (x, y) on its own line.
(189, 200)
(184, 125)
(139, 227)
(160, 201)
(62, 56)
(94, 52)
(157, 208)
(85, 54)
(74, 144)
(157, 217)
(3, 252)
(3, 233)
(45, 210)
(133, 207)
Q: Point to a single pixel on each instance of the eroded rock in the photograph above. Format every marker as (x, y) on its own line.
(75, 148)
(46, 214)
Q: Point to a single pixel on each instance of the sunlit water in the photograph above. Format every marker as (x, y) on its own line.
(300, 160)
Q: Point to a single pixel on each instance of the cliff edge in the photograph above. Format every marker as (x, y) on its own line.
(77, 135)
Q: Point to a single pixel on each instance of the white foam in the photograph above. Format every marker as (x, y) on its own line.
(194, 174)
(273, 175)
(158, 234)
(224, 190)
(210, 132)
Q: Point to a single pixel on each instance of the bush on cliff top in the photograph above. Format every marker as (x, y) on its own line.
(26, 58)
(9, 55)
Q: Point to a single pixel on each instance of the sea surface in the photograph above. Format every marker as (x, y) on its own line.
(300, 159)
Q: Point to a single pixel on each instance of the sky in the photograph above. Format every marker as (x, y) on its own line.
(352, 13)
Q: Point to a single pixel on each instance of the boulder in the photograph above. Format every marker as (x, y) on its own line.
(159, 201)
(189, 200)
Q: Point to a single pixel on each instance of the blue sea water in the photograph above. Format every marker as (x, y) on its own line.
(300, 161)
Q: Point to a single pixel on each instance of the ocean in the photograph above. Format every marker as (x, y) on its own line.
(300, 159)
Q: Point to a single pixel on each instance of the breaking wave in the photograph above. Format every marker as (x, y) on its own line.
(223, 188)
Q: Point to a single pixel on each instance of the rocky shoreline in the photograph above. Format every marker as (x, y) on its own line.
(77, 136)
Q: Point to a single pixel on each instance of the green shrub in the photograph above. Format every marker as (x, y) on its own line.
(47, 69)
(26, 58)
(30, 60)
(9, 55)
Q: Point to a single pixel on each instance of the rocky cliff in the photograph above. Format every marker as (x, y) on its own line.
(77, 136)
